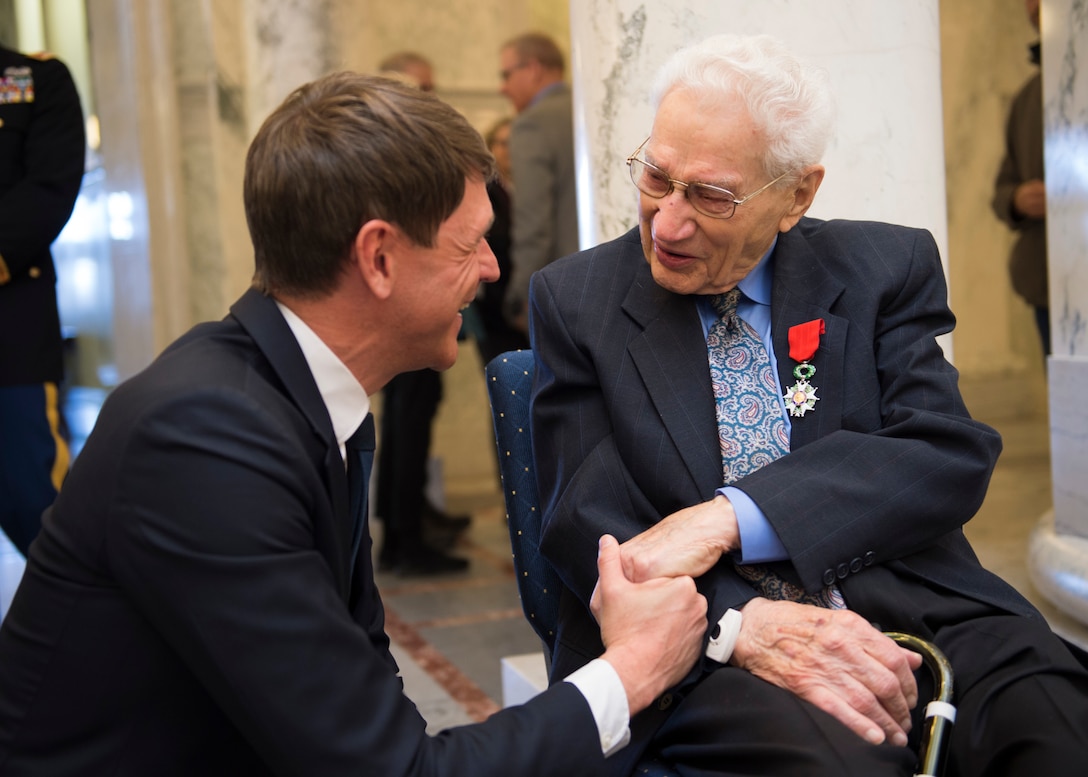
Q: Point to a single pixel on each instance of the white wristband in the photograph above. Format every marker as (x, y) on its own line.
(721, 647)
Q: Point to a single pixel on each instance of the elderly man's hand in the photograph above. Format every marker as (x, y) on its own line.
(688, 542)
(652, 631)
(834, 659)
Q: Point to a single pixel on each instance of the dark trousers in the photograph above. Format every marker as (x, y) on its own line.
(1021, 695)
(733, 724)
(1042, 323)
(409, 405)
(33, 458)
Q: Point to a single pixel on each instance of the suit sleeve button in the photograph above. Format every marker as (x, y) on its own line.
(870, 557)
(842, 571)
(829, 576)
(855, 565)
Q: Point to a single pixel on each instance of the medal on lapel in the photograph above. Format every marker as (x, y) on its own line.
(804, 340)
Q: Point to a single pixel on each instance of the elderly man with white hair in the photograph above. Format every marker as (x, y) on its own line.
(757, 399)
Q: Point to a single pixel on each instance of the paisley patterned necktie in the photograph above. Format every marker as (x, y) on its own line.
(751, 428)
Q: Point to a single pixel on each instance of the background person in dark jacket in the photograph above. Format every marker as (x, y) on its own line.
(1020, 194)
(494, 333)
(41, 168)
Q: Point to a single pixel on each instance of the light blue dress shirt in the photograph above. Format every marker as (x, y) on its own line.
(759, 542)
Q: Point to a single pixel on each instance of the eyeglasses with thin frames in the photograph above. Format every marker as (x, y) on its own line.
(713, 201)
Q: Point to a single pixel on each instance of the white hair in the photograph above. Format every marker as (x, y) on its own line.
(788, 99)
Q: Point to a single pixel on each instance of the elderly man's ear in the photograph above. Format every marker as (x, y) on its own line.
(803, 195)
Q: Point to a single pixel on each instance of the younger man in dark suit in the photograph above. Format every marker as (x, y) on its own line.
(201, 599)
(809, 460)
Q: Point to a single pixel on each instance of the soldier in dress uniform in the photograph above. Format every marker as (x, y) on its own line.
(42, 149)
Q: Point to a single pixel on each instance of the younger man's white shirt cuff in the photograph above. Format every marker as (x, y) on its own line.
(601, 685)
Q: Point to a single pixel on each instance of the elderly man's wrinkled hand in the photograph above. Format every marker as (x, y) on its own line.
(688, 542)
(834, 659)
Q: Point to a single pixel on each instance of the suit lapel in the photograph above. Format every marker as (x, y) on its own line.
(262, 320)
(802, 291)
(670, 356)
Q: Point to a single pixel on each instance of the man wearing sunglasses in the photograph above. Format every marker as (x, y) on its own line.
(758, 400)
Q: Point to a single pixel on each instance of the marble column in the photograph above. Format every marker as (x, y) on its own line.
(140, 190)
(1058, 557)
(235, 62)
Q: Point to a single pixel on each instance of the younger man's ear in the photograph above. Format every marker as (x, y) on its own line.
(373, 254)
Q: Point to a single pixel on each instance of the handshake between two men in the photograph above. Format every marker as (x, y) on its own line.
(833, 658)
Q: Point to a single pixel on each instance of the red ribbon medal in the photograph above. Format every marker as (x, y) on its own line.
(804, 341)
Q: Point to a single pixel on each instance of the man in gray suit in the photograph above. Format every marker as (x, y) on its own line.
(860, 507)
(541, 162)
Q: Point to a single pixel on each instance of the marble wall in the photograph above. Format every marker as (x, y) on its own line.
(141, 169)
(1065, 98)
(1059, 550)
(461, 38)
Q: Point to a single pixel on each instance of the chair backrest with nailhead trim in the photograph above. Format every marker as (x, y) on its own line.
(509, 385)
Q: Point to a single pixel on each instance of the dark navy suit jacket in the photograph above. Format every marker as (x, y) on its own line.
(187, 607)
(882, 474)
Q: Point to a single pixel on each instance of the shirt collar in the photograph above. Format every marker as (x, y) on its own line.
(546, 91)
(346, 400)
(756, 285)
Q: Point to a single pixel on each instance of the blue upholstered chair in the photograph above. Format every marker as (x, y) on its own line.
(509, 385)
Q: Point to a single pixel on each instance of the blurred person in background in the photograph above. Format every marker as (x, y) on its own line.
(493, 332)
(417, 534)
(1020, 193)
(541, 162)
(42, 149)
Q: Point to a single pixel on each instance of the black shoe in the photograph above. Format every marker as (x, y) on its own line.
(434, 518)
(427, 561)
